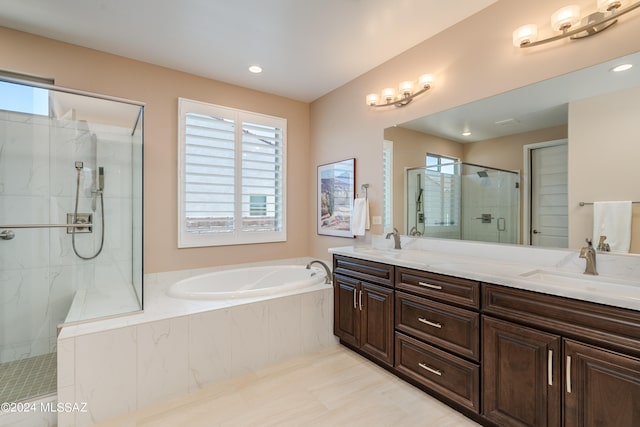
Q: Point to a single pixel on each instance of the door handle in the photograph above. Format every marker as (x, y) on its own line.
(568, 368)
(536, 232)
(360, 298)
(355, 292)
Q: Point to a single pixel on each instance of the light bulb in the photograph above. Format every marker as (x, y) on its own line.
(566, 17)
(525, 35)
(406, 87)
(425, 80)
(372, 99)
(388, 94)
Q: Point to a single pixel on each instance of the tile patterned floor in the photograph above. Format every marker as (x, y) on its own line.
(27, 378)
(335, 387)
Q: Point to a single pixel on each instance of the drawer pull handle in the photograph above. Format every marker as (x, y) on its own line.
(429, 285)
(568, 374)
(433, 371)
(550, 368)
(434, 324)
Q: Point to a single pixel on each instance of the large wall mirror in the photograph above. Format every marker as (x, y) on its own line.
(525, 166)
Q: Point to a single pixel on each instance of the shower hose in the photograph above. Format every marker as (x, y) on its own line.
(75, 221)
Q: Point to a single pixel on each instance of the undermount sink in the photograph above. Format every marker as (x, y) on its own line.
(585, 282)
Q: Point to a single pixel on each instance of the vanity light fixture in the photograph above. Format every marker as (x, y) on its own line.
(567, 21)
(405, 93)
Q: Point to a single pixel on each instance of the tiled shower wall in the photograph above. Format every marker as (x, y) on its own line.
(39, 273)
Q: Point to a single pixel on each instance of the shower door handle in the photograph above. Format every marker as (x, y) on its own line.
(502, 224)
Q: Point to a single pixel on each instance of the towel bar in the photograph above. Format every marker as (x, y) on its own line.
(590, 203)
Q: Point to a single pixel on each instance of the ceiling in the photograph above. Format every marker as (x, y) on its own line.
(537, 106)
(306, 48)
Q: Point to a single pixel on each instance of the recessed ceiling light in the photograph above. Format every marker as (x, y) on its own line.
(466, 133)
(255, 69)
(623, 67)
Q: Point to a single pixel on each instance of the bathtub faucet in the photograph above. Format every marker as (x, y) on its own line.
(327, 279)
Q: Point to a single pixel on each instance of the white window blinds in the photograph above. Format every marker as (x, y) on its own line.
(232, 188)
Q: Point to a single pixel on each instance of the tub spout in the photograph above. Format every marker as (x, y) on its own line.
(327, 279)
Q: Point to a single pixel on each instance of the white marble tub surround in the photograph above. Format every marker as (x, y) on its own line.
(177, 346)
(552, 271)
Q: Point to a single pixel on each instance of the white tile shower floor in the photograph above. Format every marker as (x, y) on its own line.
(334, 387)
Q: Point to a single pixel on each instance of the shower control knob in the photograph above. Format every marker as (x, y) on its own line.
(7, 234)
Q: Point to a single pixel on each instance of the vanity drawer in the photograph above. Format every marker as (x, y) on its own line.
(369, 271)
(452, 328)
(459, 291)
(448, 375)
(612, 327)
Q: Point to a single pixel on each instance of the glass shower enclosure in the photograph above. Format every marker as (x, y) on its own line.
(463, 201)
(70, 222)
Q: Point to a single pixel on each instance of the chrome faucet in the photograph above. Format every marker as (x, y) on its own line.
(414, 231)
(589, 253)
(327, 278)
(396, 238)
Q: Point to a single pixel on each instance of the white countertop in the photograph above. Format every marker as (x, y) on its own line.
(549, 271)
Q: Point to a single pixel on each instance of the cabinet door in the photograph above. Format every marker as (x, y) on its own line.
(602, 388)
(521, 375)
(346, 314)
(376, 335)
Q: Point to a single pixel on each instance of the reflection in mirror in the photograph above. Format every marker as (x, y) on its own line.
(463, 201)
(587, 115)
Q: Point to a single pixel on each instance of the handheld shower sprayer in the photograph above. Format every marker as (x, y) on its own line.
(99, 188)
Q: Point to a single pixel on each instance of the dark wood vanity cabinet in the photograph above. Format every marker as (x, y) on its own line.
(552, 361)
(363, 311)
(437, 334)
(521, 375)
(503, 356)
(602, 388)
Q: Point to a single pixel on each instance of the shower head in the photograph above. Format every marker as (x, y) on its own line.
(483, 174)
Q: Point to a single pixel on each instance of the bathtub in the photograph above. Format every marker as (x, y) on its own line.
(247, 282)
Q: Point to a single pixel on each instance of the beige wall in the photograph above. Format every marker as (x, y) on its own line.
(90, 70)
(472, 60)
(604, 151)
(507, 152)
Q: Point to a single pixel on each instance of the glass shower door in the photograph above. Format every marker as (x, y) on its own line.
(70, 223)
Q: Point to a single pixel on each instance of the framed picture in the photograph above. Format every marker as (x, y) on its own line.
(336, 191)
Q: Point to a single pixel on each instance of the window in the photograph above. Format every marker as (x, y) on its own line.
(22, 98)
(231, 176)
(387, 185)
(442, 191)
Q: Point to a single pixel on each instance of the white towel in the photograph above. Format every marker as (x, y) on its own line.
(360, 216)
(613, 219)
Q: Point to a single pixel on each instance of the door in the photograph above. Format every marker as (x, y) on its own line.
(346, 315)
(549, 205)
(377, 322)
(521, 375)
(602, 388)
